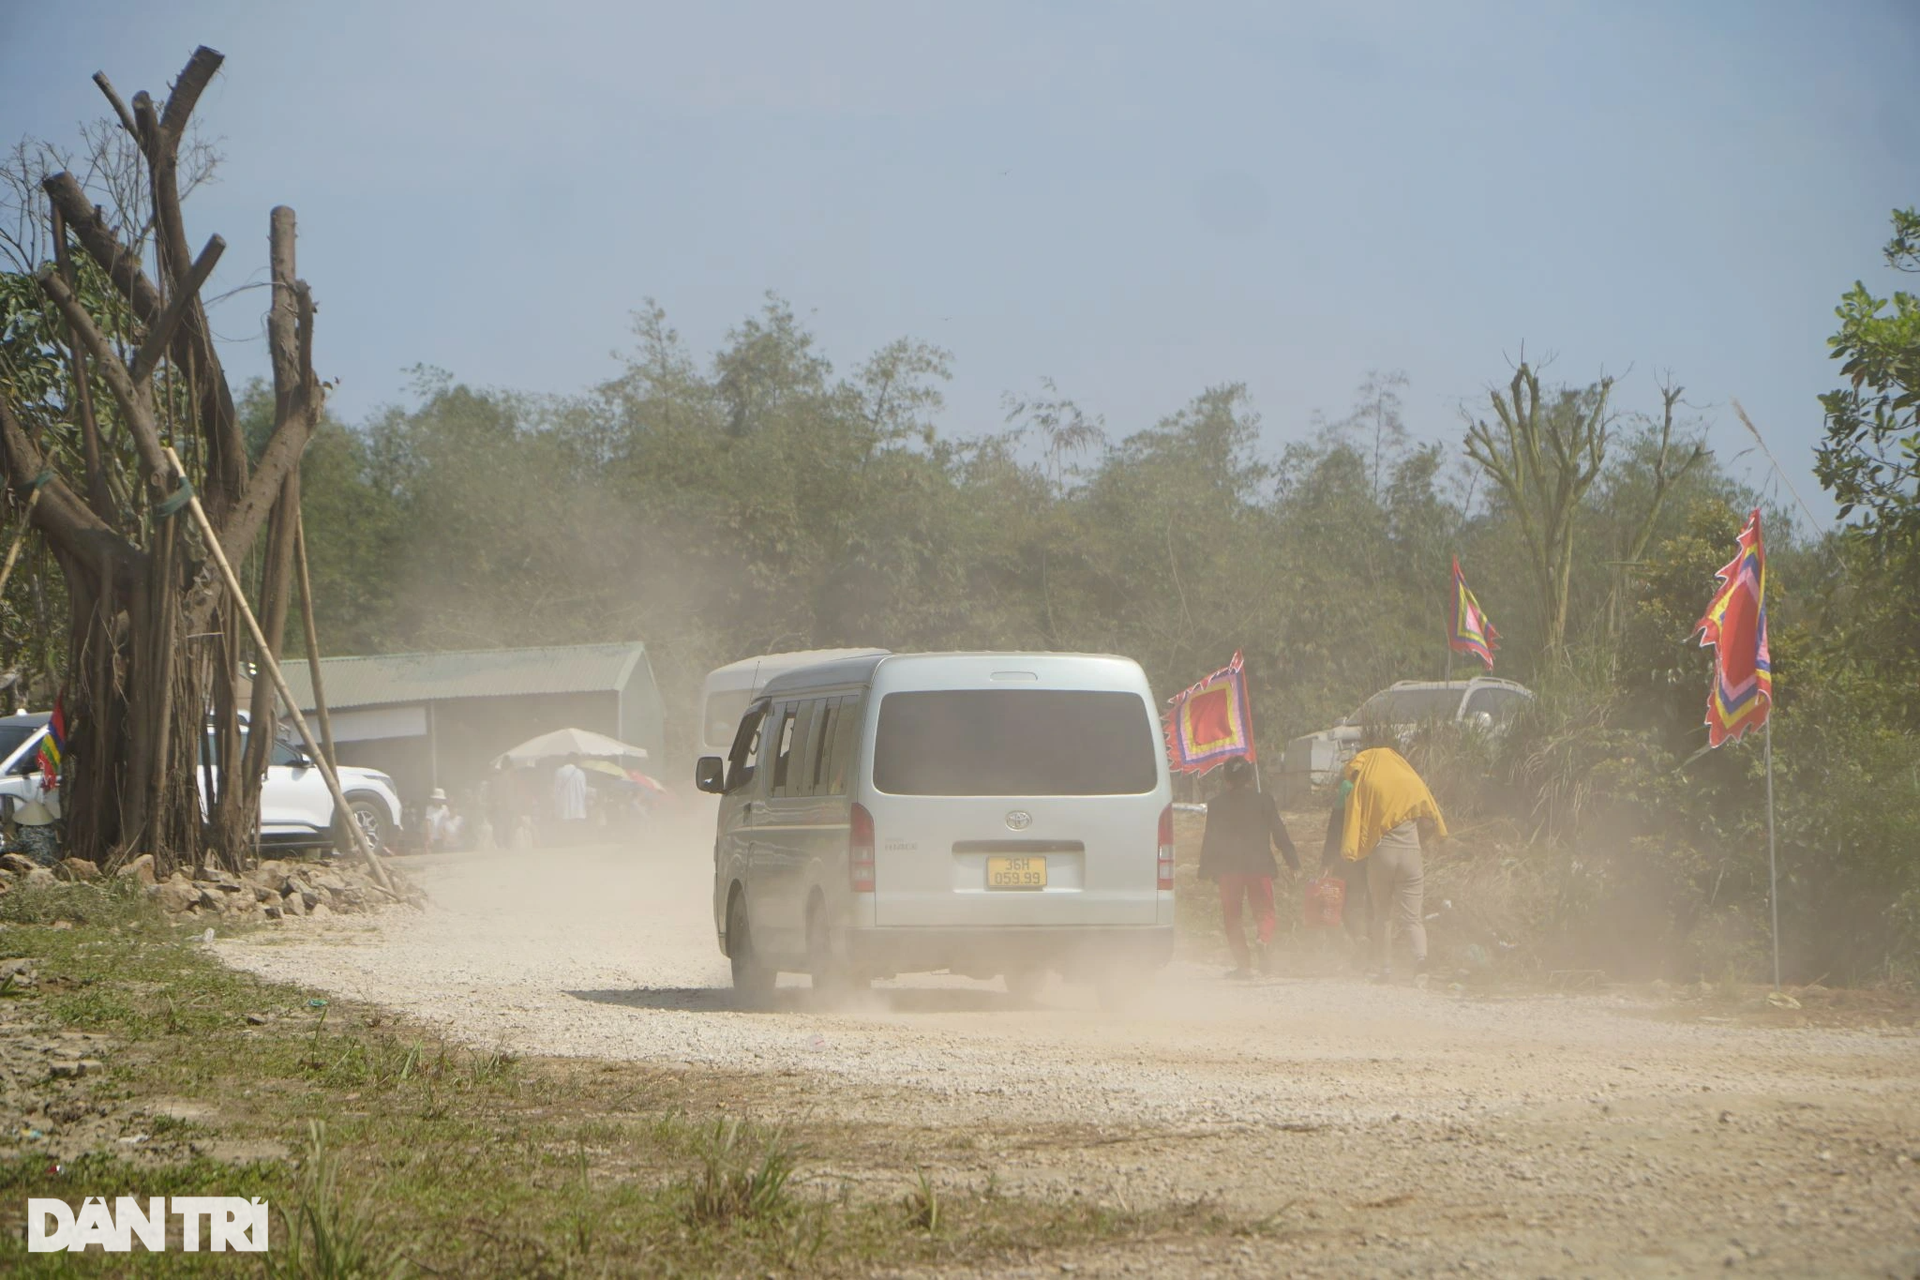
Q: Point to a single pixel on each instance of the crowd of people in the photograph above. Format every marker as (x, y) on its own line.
(1383, 820)
(537, 804)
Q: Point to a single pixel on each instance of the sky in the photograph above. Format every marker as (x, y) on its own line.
(1138, 201)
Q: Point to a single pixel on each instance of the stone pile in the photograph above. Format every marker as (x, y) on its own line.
(274, 890)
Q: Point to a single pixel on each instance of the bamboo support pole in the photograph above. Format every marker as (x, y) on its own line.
(313, 638)
(325, 766)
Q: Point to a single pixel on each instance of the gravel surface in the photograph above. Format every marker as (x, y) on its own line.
(1376, 1130)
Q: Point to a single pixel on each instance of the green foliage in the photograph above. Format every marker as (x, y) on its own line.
(328, 1236)
(1871, 456)
(745, 1176)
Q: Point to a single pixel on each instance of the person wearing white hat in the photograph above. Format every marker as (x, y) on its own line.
(443, 826)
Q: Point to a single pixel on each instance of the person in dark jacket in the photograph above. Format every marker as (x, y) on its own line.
(1243, 825)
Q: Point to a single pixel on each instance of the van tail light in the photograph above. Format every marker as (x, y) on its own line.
(860, 850)
(1165, 878)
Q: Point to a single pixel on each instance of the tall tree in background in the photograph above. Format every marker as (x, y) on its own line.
(1870, 459)
(153, 638)
(1544, 458)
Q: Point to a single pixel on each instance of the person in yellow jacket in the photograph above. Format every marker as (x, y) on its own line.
(1388, 815)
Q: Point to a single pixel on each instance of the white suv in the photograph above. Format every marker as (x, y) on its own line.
(296, 809)
(1482, 703)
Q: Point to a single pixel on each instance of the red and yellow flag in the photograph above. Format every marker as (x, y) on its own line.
(1741, 695)
(1470, 632)
(1211, 722)
(53, 747)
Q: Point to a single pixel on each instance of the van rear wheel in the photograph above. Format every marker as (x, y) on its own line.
(833, 977)
(751, 978)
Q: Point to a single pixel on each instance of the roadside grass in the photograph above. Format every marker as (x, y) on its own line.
(386, 1150)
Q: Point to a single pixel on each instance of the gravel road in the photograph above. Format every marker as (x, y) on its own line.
(1377, 1130)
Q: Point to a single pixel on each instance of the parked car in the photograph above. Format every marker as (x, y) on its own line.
(988, 814)
(20, 778)
(296, 809)
(1483, 704)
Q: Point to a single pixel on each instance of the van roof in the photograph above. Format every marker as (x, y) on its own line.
(747, 672)
(858, 670)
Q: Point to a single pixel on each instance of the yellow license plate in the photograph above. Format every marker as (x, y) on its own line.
(1016, 873)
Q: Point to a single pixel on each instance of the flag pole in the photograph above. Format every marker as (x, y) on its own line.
(1773, 865)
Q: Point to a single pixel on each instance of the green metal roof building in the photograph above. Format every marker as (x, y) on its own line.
(439, 719)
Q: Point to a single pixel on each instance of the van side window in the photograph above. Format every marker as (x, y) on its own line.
(746, 748)
(783, 751)
(825, 717)
(846, 742)
(796, 775)
(806, 748)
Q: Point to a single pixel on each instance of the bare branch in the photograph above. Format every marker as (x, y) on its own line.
(119, 107)
(103, 246)
(69, 526)
(135, 399)
(161, 333)
(186, 92)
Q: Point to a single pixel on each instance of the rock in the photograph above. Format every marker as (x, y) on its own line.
(221, 879)
(272, 910)
(17, 863)
(294, 904)
(74, 1070)
(256, 1019)
(19, 973)
(77, 869)
(319, 911)
(40, 876)
(140, 868)
(175, 897)
(265, 873)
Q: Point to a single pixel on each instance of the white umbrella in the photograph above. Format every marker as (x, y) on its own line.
(567, 742)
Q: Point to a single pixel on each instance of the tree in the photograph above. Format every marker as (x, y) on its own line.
(1870, 462)
(1870, 459)
(1376, 420)
(153, 636)
(1544, 458)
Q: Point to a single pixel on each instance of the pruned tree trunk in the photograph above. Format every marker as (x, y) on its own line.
(155, 657)
(1544, 458)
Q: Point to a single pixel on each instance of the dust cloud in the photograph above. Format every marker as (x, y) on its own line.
(1381, 1113)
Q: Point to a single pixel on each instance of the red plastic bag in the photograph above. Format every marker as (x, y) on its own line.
(1325, 902)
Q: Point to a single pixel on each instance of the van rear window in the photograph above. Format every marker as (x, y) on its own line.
(1015, 742)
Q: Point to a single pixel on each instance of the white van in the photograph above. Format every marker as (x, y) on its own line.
(988, 814)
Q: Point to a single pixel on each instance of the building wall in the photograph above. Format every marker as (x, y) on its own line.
(644, 719)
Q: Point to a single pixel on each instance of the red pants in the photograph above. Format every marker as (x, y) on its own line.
(1259, 891)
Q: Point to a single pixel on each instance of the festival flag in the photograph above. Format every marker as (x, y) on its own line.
(1470, 631)
(1212, 722)
(1735, 625)
(54, 744)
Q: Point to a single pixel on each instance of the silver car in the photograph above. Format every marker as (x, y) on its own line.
(1483, 703)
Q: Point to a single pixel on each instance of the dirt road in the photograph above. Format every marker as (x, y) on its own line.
(1370, 1130)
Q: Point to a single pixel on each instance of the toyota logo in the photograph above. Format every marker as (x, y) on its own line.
(1019, 820)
